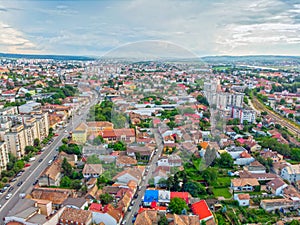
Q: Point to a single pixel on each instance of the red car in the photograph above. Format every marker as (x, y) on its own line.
(27, 165)
(55, 134)
(39, 153)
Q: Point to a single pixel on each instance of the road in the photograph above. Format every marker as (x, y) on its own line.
(34, 171)
(152, 166)
(277, 118)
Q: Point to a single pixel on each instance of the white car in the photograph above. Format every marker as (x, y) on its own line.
(8, 196)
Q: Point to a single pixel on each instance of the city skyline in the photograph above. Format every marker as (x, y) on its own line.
(92, 28)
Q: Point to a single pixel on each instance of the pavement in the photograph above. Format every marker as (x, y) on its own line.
(144, 184)
(36, 168)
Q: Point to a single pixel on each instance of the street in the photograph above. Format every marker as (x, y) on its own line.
(152, 166)
(33, 172)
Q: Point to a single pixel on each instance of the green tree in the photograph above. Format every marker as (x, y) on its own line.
(177, 205)
(36, 142)
(98, 140)
(65, 141)
(67, 168)
(29, 149)
(163, 220)
(75, 184)
(210, 175)
(65, 182)
(225, 160)
(106, 198)
(194, 188)
(93, 159)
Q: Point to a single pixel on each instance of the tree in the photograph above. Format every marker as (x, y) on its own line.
(67, 168)
(225, 160)
(210, 175)
(65, 141)
(106, 198)
(29, 149)
(290, 115)
(163, 220)
(65, 182)
(93, 159)
(75, 184)
(177, 205)
(36, 142)
(98, 140)
(194, 188)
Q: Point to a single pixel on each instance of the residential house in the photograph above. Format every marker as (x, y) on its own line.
(52, 175)
(276, 204)
(202, 210)
(71, 158)
(129, 174)
(243, 199)
(244, 159)
(276, 157)
(126, 135)
(125, 161)
(144, 152)
(276, 186)
(259, 176)
(255, 167)
(109, 135)
(75, 216)
(183, 219)
(291, 173)
(171, 160)
(92, 170)
(76, 203)
(244, 184)
(160, 176)
(147, 217)
(79, 135)
(102, 218)
(57, 196)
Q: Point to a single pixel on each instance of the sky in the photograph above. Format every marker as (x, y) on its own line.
(195, 27)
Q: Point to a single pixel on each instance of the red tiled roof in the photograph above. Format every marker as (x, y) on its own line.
(108, 134)
(96, 207)
(182, 195)
(201, 209)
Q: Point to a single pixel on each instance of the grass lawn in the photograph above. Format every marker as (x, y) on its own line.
(221, 192)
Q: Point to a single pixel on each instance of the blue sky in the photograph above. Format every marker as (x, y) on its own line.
(204, 27)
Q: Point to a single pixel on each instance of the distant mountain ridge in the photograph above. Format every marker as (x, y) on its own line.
(207, 59)
(54, 57)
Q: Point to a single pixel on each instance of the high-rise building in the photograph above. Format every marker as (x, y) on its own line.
(3, 156)
(16, 141)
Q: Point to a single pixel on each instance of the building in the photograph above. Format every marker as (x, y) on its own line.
(291, 173)
(244, 184)
(29, 107)
(3, 156)
(79, 135)
(248, 115)
(16, 141)
(243, 199)
(75, 216)
(52, 175)
(255, 167)
(276, 186)
(92, 170)
(202, 210)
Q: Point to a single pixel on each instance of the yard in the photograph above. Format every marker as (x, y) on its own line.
(218, 192)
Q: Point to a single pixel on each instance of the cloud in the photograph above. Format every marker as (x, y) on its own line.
(14, 41)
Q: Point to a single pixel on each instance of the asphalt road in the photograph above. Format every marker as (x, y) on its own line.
(152, 166)
(34, 171)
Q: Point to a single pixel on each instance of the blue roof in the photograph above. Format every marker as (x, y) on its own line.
(151, 195)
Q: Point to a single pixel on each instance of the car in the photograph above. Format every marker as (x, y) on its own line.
(8, 196)
(6, 187)
(35, 182)
(20, 183)
(132, 202)
(27, 165)
(38, 153)
(129, 208)
(40, 160)
(56, 134)
(136, 195)
(22, 171)
(19, 174)
(10, 189)
(124, 222)
(66, 131)
(57, 149)
(13, 180)
(0, 206)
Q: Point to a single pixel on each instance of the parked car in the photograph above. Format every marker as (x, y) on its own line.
(8, 196)
(13, 179)
(27, 165)
(35, 182)
(20, 183)
(10, 189)
(40, 160)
